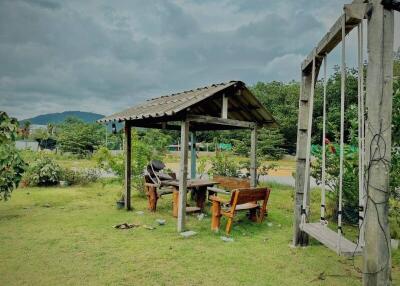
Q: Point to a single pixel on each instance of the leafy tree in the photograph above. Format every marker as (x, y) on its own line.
(396, 105)
(114, 141)
(78, 137)
(282, 100)
(350, 179)
(269, 144)
(224, 164)
(395, 167)
(159, 140)
(25, 130)
(142, 154)
(11, 164)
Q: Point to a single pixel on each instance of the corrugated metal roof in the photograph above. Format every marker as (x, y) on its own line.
(170, 105)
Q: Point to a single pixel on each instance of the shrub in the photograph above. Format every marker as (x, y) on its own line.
(79, 177)
(11, 164)
(395, 173)
(108, 162)
(350, 178)
(11, 170)
(42, 172)
(394, 218)
(224, 164)
(142, 154)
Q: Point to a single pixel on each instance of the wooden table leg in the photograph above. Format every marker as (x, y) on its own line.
(152, 198)
(175, 201)
(201, 197)
(216, 216)
(253, 215)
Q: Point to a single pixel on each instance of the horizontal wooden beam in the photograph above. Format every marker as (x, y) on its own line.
(163, 126)
(221, 121)
(354, 14)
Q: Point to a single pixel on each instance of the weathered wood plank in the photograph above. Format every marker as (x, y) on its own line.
(128, 171)
(330, 239)
(221, 121)
(224, 113)
(253, 158)
(377, 256)
(334, 36)
(193, 155)
(301, 153)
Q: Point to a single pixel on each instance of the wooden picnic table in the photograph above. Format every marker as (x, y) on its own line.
(199, 186)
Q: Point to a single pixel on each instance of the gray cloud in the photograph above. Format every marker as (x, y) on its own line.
(102, 56)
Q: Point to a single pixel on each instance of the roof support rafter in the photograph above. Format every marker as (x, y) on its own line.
(221, 121)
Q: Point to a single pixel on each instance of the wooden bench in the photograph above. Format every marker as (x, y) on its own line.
(227, 184)
(154, 192)
(241, 199)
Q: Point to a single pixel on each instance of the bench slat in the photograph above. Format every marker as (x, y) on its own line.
(217, 190)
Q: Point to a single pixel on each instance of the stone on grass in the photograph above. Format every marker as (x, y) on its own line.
(187, 234)
(149, 227)
(269, 224)
(160, 221)
(140, 212)
(125, 225)
(200, 216)
(227, 239)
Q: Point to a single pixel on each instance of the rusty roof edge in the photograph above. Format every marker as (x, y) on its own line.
(201, 98)
(118, 117)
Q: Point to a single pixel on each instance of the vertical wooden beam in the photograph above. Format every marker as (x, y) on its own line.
(128, 170)
(299, 237)
(224, 113)
(193, 156)
(183, 175)
(377, 256)
(253, 158)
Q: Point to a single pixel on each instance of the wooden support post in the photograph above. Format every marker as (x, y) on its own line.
(152, 197)
(299, 237)
(253, 158)
(215, 216)
(183, 175)
(224, 113)
(128, 169)
(175, 201)
(193, 156)
(377, 256)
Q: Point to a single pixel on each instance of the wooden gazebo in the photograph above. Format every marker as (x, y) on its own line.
(223, 106)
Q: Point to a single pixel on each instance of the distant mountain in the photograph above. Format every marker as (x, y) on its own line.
(45, 119)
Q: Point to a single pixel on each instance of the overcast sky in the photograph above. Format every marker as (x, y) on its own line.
(103, 56)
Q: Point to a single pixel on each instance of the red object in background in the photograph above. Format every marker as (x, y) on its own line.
(332, 148)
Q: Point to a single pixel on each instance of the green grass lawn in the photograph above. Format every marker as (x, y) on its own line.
(64, 236)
